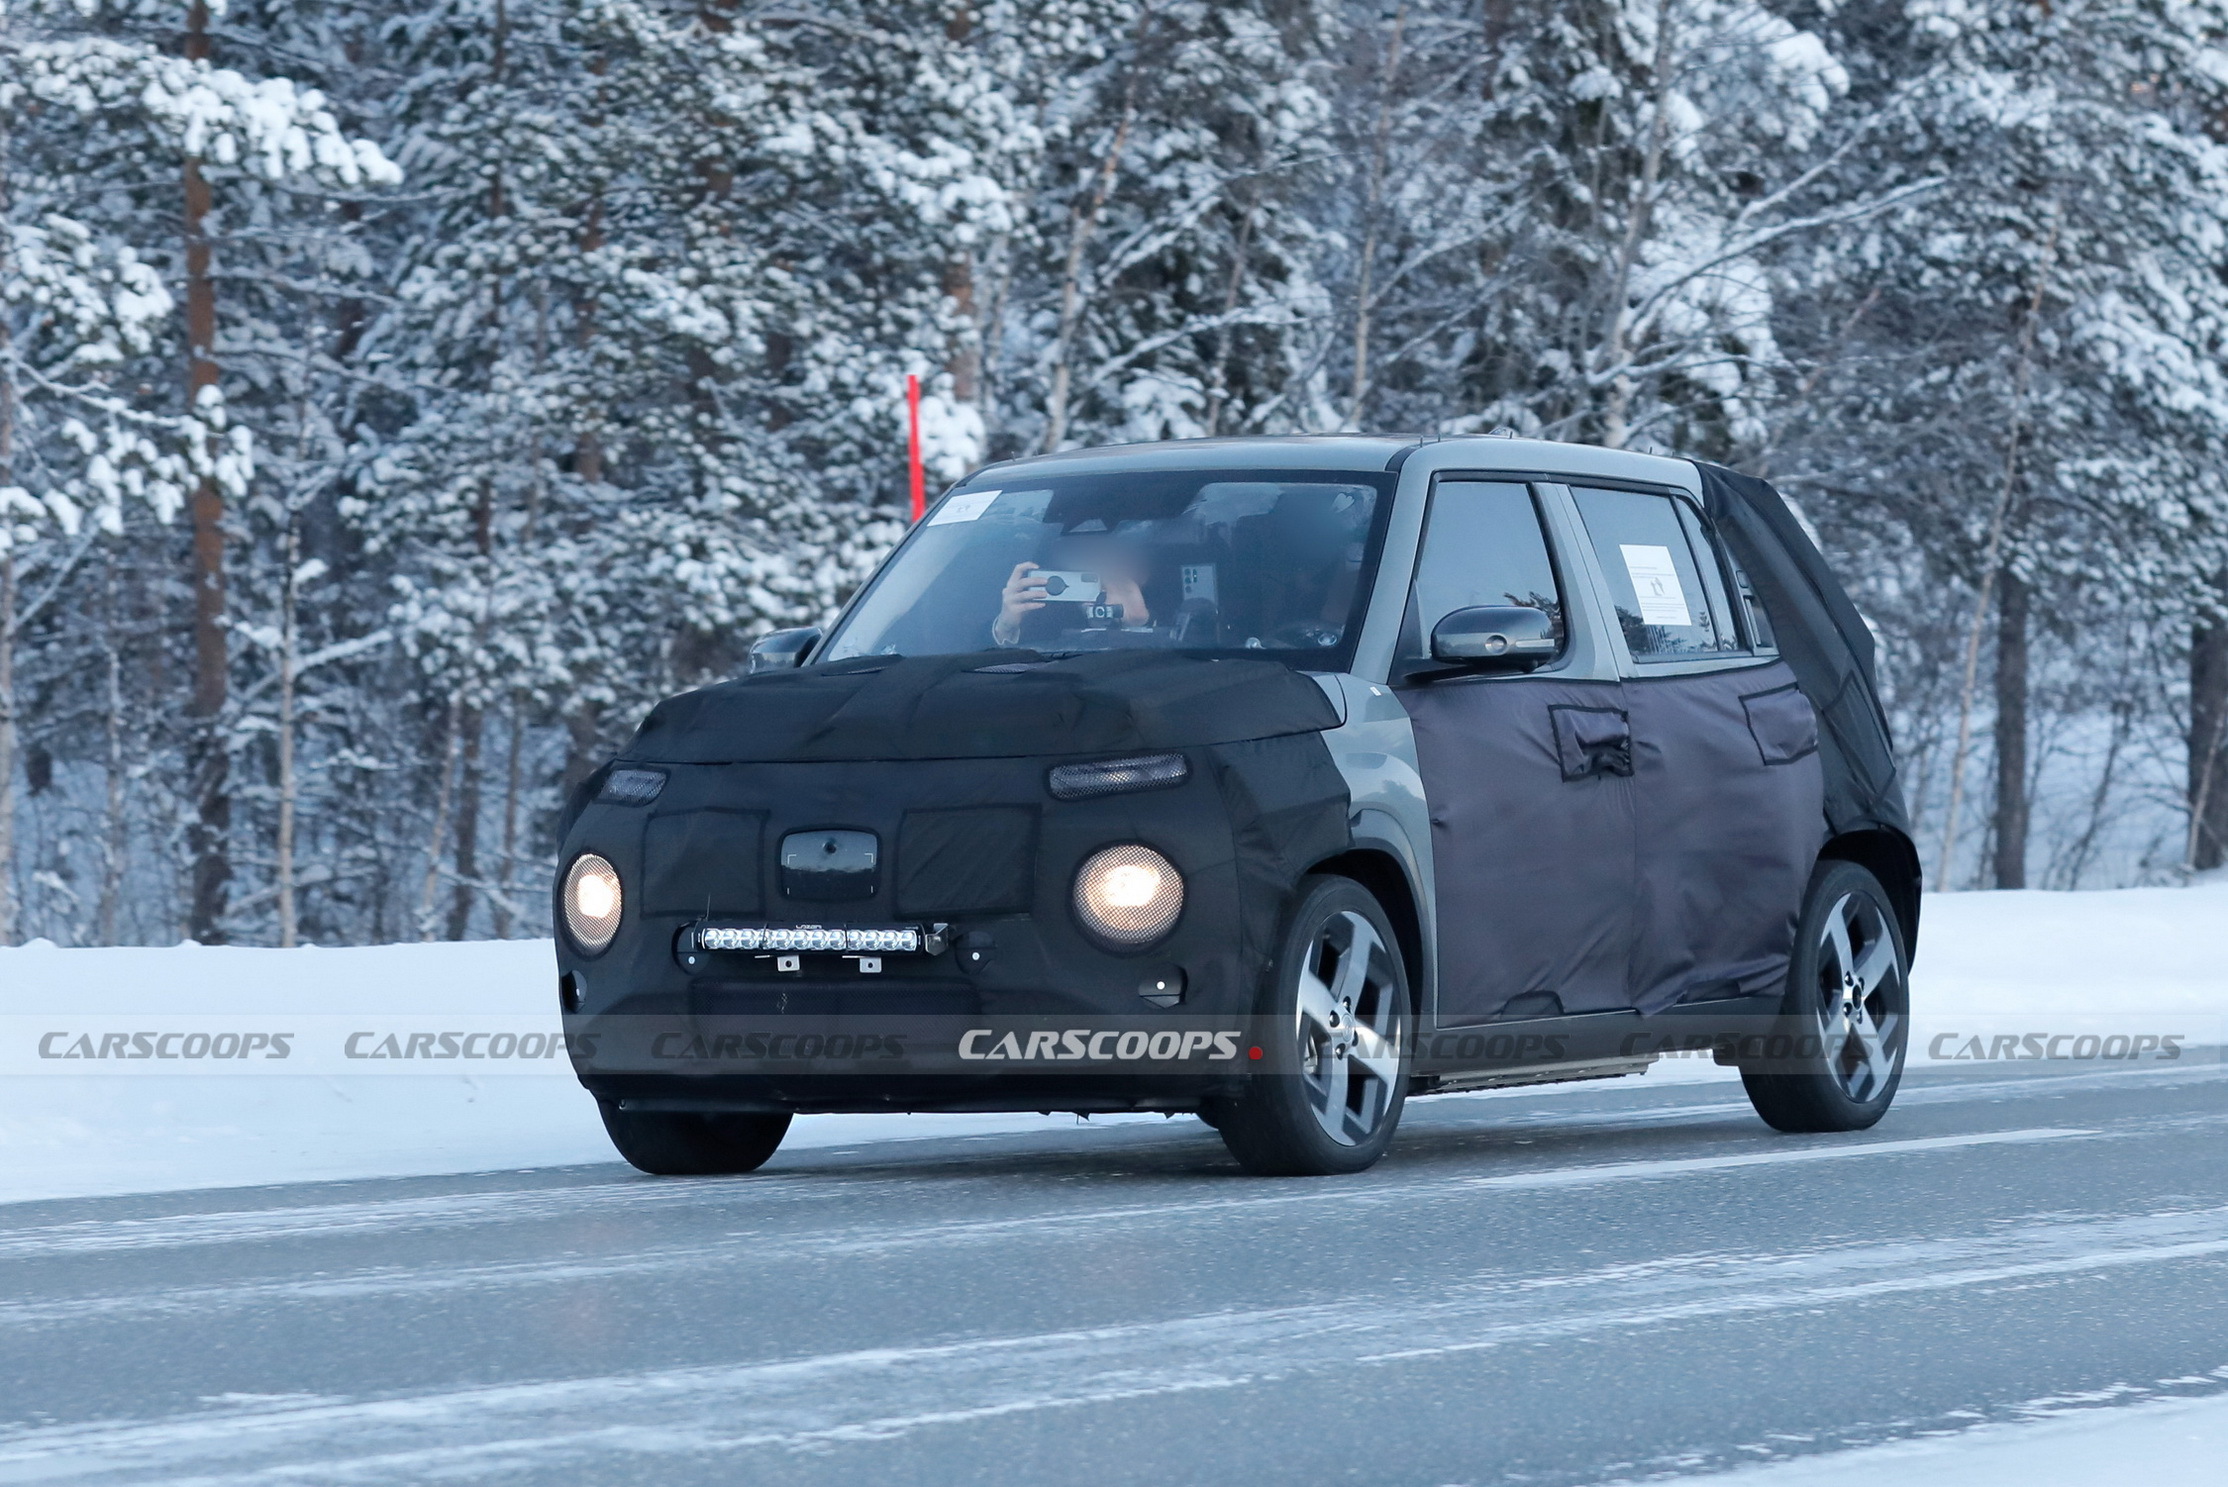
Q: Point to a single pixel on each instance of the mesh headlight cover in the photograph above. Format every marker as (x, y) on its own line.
(593, 901)
(1129, 894)
(1117, 776)
(631, 786)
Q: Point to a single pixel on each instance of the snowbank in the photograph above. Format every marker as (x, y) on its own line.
(2160, 1443)
(2110, 979)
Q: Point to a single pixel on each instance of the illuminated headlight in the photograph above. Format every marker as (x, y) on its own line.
(592, 902)
(1129, 894)
(1117, 776)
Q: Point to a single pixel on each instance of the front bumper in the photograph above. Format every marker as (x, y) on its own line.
(1007, 1004)
(811, 1061)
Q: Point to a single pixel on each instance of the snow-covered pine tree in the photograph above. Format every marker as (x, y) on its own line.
(78, 305)
(134, 97)
(1160, 281)
(2018, 388)
(1637, 167)
(672, 265)
(614, 382)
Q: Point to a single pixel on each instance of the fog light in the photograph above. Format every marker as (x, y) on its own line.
(1129, 894)
(593, 901)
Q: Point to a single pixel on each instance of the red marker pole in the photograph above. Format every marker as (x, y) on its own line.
(913, 469)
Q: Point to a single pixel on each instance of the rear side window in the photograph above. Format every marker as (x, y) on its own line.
(1483, 545)
(1662, 572)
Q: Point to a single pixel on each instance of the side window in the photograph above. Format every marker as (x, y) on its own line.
(1482, 545)
(1713, 575)
(1662, 572)
(1760, 637)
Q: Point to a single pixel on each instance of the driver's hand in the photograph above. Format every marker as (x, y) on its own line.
(1024, 592)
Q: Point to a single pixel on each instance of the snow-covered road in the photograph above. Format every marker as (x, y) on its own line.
(1616, 1284)
(322, 1268)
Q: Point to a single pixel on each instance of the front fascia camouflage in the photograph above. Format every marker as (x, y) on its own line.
(975, 844)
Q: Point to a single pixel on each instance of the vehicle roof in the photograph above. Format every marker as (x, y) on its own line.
(1356, 452)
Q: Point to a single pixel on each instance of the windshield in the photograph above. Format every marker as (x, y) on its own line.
(1221, 562)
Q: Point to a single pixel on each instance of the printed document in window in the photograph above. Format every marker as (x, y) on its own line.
(1655, 583)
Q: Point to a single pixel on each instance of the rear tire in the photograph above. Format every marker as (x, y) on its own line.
(1335, 1026)
(1846, 1020)
(687, 1143)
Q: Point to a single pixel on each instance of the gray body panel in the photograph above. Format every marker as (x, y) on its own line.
(1375, 751)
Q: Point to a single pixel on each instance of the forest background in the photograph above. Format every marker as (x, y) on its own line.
(397, 398)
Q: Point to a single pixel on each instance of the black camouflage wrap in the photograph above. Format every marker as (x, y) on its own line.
(1602, 846)
(1823, 640)
(989, 705)
(1728, 818)
(947, 764)
(1531, 842)
(1644, 845)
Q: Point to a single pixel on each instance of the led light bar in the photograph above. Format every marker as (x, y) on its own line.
(1117, 776)
(631, 786)
(890, 941)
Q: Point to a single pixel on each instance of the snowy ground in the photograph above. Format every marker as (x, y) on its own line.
(2160, 1443)
(2074, 975)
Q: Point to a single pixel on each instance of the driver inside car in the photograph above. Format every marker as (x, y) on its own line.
(1119, 564)
(1296, 567)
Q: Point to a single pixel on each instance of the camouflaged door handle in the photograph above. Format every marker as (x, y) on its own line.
(1592, 742)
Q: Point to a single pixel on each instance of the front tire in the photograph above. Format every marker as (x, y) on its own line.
(1334, 1024)
(1847, 1016)
(686, 1143)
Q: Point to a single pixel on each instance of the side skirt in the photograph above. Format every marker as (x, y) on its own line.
(1597, 1045)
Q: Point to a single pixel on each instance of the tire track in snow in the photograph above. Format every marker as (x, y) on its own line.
(389, 1216)
(877, 1237)
(873, 1394)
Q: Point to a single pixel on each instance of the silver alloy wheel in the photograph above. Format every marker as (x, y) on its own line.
(1350, 1028)
(1859, 1006)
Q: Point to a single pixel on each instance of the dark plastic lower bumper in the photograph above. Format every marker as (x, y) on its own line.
(867, 1059)
(1049, 1058)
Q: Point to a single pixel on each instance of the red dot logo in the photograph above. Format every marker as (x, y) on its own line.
(1253, 1053)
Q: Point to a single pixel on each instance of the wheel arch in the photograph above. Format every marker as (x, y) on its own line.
(1891, 857)
(1381, 873)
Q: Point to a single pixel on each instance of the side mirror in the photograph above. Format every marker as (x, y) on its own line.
(782, 650)
(1495, 637)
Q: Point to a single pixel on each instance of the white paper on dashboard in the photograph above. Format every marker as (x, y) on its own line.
(965, 506)
(1655, 583)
